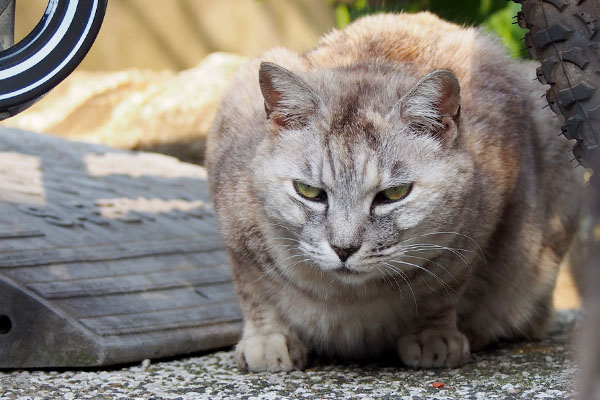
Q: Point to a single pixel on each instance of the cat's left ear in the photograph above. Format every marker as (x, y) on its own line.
(432, 106)
(289, 101)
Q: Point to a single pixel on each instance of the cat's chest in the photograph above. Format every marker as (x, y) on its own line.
(334, 326)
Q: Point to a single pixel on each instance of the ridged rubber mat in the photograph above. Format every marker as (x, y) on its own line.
(107, 256)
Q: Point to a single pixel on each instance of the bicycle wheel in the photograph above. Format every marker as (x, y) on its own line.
(49, 53)
(563, 35)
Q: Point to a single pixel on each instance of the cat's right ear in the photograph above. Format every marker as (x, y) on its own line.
(432, 106)
(289, 101)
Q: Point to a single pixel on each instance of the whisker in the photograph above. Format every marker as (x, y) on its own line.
(298, 262)
(474, 242)
(444, 284)
(385, 277)
(433, 262)
(437, 246)
(399, 270)
(419, 236)
(291, 257)
(427, 246)
(395, 280)
(265, 272)
(285, 238)
(270, 246)
(274, 267)
(284, 227)
(452, 233)
(405, 278)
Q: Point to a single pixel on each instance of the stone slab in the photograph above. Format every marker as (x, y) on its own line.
(106, 256)
(542, 370)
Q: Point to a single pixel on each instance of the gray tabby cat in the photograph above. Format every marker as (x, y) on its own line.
(398, 189)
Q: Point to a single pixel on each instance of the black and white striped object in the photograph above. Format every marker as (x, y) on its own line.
(49, 53)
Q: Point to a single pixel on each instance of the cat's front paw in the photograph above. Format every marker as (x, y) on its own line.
(273, 352)
(434, 348)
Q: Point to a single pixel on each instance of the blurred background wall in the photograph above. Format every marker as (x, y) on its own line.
(177, 34)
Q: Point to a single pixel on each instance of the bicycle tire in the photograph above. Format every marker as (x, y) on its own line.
(563, 35)
(49, 53)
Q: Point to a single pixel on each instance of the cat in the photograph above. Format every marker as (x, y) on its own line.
(399, 189)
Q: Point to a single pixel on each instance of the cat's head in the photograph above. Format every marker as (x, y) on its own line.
(358, 164)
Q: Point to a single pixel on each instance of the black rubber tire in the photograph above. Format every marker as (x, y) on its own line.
(564, 36)
(49, 53)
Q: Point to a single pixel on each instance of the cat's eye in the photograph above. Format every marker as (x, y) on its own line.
(394, 193)
(310, 192)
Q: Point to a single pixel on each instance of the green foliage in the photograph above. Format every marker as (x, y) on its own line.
(510, 33)
(342, 15)
(497, 16)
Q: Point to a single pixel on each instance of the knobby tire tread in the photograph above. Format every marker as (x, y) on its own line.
(564, 35)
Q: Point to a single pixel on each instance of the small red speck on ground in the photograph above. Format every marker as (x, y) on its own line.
(439, 385)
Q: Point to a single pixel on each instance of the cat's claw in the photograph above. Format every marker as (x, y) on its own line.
(432, 348)
(274, 352)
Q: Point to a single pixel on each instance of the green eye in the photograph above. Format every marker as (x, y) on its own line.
(309, 192)
(396, 193)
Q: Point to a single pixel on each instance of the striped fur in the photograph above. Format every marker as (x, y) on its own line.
(468, 258)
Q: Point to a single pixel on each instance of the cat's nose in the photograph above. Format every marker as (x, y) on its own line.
(344, 252)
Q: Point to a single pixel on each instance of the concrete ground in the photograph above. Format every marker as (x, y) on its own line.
(542, 370)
